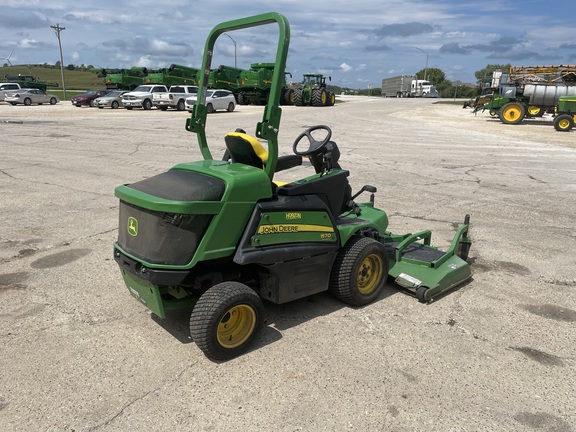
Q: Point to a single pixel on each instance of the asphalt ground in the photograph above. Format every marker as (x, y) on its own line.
(78, 353)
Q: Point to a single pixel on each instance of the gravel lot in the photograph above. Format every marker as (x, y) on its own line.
(497, 354)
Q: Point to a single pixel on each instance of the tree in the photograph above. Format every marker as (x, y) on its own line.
(434, 75)
(70, 67)
(484, 76)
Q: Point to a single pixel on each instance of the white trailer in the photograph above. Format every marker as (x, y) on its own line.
(407, 86)
(398, 86)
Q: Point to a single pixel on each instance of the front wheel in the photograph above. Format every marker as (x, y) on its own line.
(360, 271)
(563, 123)
(115, 104)
(512, 113)
(147, 104)
(210, 108)
(225, 320)
(181, 105)
(53, 101)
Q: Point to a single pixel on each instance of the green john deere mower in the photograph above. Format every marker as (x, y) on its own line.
(222, 236)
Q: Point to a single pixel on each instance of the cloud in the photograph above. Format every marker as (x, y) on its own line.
(150, 47)
(361, 67)
(377, 48)
(454, 48)
(404, 30)
(23, 21)
(345, 67)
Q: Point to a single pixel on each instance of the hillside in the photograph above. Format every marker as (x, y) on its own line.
(75, 80)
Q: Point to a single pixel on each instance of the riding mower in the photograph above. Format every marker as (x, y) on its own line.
(222, 235)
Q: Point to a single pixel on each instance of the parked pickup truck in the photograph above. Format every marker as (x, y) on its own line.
(175, 97)
(8, 88)
(142, 96)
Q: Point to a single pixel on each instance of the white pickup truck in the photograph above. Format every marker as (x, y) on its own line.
(8, 88)
(175, 97)
(142, 96)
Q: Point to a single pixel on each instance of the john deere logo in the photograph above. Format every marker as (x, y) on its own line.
(132, 226)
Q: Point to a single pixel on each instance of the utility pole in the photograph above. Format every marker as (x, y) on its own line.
(57, 29)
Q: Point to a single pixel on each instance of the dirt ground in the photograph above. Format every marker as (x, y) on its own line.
(78, 353)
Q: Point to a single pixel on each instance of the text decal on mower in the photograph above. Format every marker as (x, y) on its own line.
(293, 228)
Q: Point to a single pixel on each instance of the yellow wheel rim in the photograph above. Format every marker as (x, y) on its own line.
(564, 124)
(533, 110)
(511, 113)
(324, 98)
(291, 97)
(370, 274)
(236, 326)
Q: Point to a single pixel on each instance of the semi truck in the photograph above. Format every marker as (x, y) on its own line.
(407, 86)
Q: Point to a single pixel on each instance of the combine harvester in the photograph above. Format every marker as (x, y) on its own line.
(29, 81)
(173, 75)
(122, 79)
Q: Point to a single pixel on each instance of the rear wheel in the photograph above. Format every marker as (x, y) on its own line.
(563, 123)
(225, 320)
(27, 102)
(147, 104)
(210, 108)
(289, 97)
(331, 99)
(319, 97)
(534, 111)
(231, 107)
(298, 97)
(360, 271)
(512, 113)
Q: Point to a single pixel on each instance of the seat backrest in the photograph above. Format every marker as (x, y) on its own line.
(246, 149)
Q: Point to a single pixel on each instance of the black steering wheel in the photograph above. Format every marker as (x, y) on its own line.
(314, 145)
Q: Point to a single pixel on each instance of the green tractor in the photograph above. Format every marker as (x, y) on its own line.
(224, 237)
(313, 91)
(565, 114)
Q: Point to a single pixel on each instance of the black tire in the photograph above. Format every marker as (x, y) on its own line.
(163, 108)
(91, 104)
(210, 108)
(319, 97)
(27, 102)
(464, 248)
(53, 101)
(230, 107)
(512, 113)
(289, 97)
(298, 97)
(241, 98)
(330, 99)
(129, 108)
(147, 104)
(181, 105)
(360, 271)
(13, 103)
(421, 294)
(225, 320)
(100, 107)
(564, 123)
(115, 104)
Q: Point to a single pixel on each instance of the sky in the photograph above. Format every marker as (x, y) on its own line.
(356, 44)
